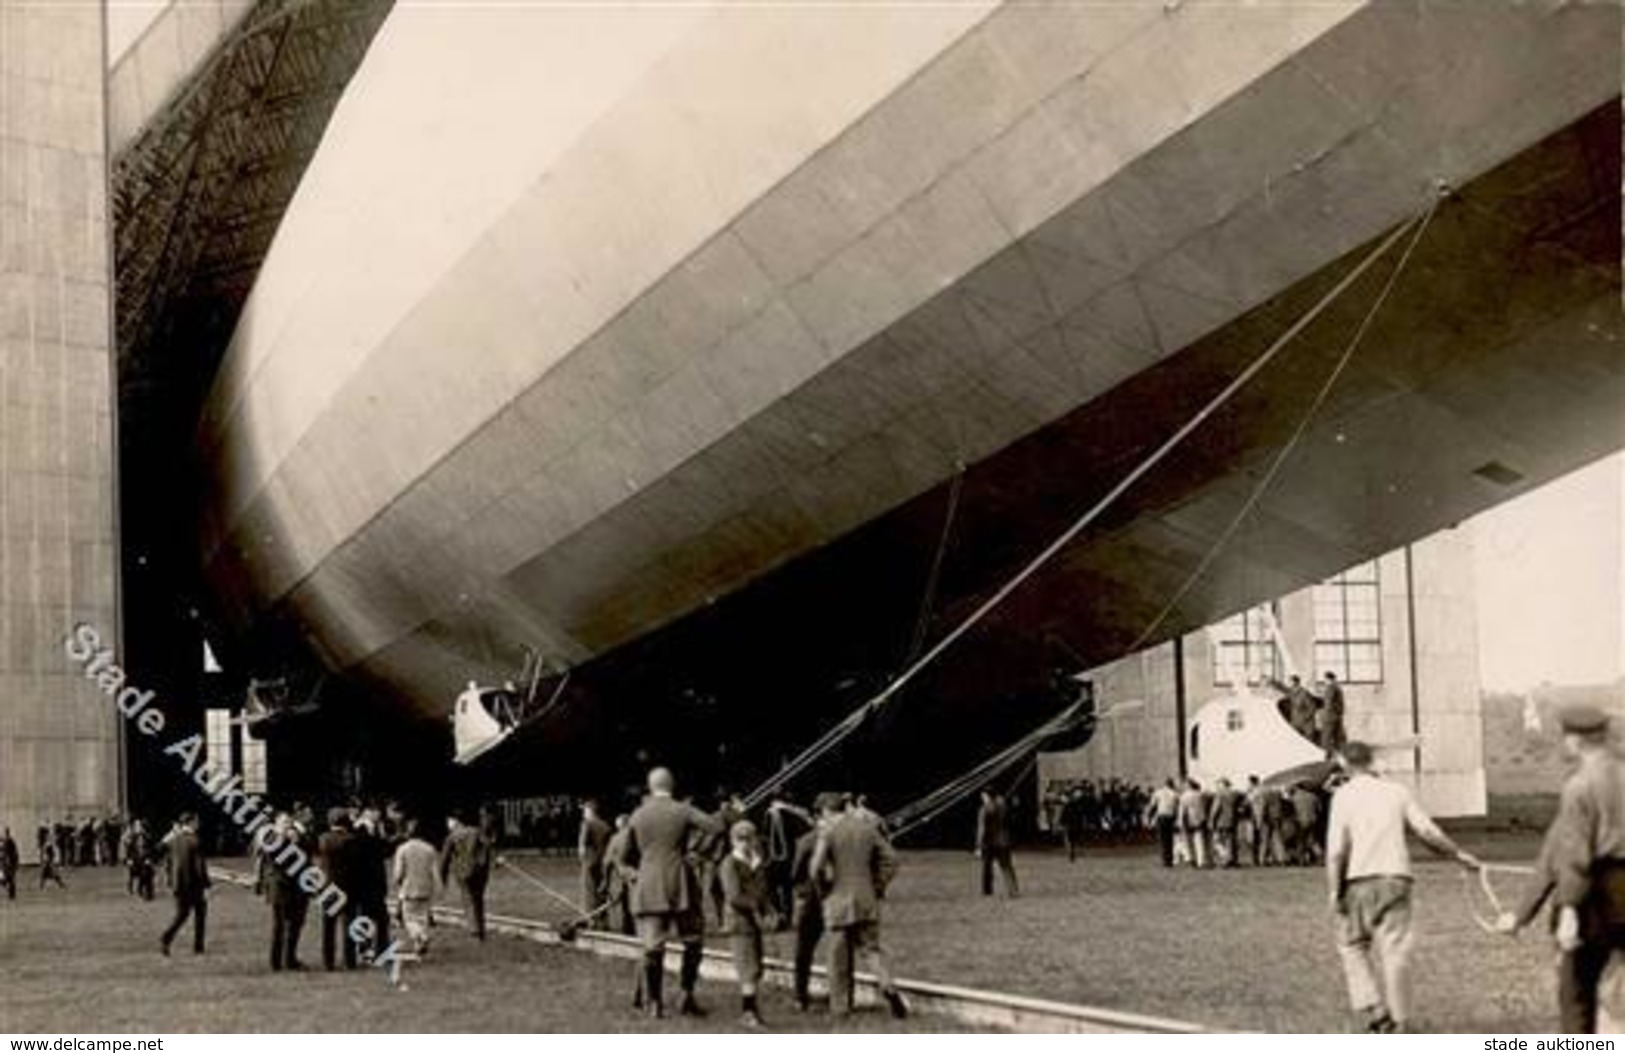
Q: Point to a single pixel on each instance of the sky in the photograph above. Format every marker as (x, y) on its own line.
(1551, 582)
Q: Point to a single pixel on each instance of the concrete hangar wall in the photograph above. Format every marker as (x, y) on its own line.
(1426, 609)
(59, 739)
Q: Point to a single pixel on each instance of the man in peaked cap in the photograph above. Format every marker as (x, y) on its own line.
(1587, 859)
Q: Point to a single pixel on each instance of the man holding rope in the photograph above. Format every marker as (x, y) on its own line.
(1368, 870)
(1585, 857)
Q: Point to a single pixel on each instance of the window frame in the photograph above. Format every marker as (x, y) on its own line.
(1354, 654)
(1262, 646)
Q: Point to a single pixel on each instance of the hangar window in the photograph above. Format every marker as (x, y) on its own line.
(1348, 625)
(226, 745)
(1232, 720)
(1244, 644)
(217, 731)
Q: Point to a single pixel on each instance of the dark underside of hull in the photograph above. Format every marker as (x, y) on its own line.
(1499, 348)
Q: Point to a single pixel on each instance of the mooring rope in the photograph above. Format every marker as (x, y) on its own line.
(580, 918)
(1483, 870)
(840, 731)
(1286, 451)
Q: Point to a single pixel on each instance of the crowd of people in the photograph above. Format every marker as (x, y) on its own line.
(658, 871)
(669, 871)
(1225, 826)
(102, 841)
(1081, 809)
(665, 871)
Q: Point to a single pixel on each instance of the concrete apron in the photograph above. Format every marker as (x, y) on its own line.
(963, 1005)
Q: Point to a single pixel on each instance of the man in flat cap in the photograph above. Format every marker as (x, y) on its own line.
(1586, 846)
(1368, 870)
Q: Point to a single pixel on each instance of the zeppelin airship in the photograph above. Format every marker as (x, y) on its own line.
(727, 357)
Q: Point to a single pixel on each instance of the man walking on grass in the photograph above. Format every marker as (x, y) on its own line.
(190, 883)
(1368, 873)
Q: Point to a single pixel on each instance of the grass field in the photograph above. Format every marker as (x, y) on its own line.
(1227, 949)
(1246, 949)
(86, 960)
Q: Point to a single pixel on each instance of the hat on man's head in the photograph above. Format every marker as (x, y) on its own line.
(1582, 719)
(828, 802)
(1356, 754)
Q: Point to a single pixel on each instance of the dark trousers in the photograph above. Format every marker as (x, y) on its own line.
(473, 888)
(1165, 839)
(335, 929)
(376, 909)
(287, 921)
(1578, 973)
(195, 907)
(1602, 931)
(809, 922)
(9, 879)
(1007, 867)
(1224, 843)
(593, 893)
(781, 889)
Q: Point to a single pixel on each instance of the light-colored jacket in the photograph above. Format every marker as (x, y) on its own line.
(416, 870)
(659, 839)
(859, 863)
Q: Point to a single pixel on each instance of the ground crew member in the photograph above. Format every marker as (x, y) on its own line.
(809, 891)
(337, 851)
(289, 902)
(1193, 824)
(1332, 735)
(467, 856)
(993, 843)
(1368, 873)
(189, 881)
(859, 863)
(415, 873)
(1162, 815)
(1587, 861)
(592, 842)
(1226, 813)
(9, 861)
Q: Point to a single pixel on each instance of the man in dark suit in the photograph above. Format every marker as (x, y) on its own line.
(808, 912)
(372, 853)
(591, 844)
(1226, 812)
(190, 884)
(619, 884)
(337, 850)
(993, 843)
(289, 902)
(858, 863)
(9, 861)
(662, 836)
(467, 856)
(1332, 733)
(785, 824)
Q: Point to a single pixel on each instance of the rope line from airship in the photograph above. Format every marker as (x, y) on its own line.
(836, 734)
